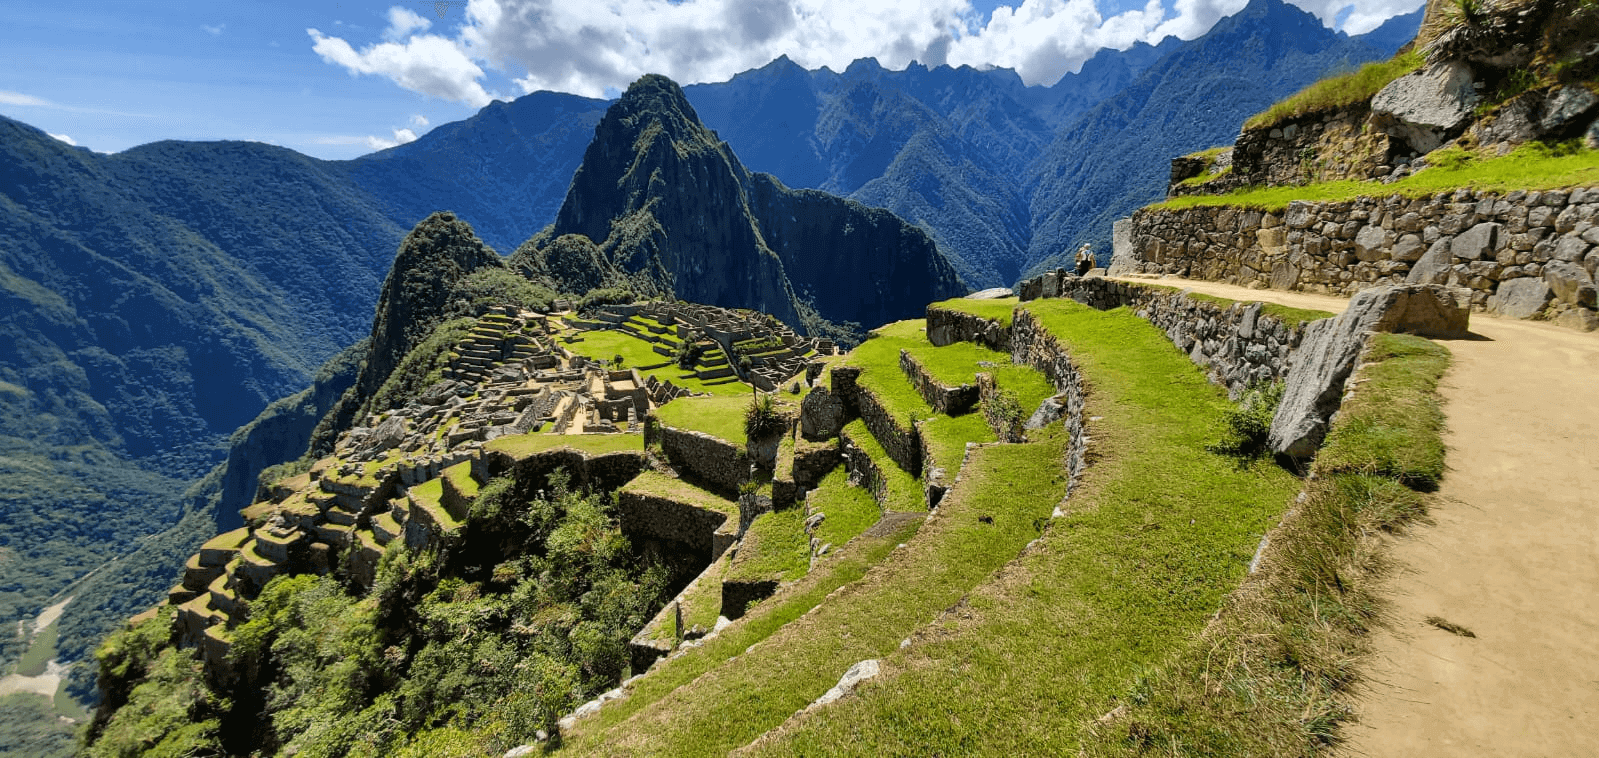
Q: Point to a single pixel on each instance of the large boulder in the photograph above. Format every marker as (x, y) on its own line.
(1123, 255)
(821, 415)
(1426, 107)
(1331, 347)
(1565, 106)
(1520, 298)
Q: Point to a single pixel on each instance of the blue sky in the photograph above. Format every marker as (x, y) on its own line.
(340, 78)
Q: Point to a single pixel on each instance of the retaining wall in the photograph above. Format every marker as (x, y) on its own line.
(1478, 241)
(950, 401)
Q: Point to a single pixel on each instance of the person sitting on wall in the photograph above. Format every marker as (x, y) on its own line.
(1085, 259)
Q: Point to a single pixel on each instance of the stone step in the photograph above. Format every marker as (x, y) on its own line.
(274, 547)
(385, 529)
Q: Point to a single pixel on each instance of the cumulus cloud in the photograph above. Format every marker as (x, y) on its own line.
(64, 138)
(403, 23)
(428, 63)
(214, 30)
(595, 48)
(401, 136)
(419, 120)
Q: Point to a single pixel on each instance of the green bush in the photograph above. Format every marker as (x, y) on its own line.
(1249, 422)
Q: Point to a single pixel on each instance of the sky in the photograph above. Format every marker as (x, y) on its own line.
(341, 78)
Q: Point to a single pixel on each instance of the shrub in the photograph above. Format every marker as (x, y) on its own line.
(1249, 422)
(763, 419)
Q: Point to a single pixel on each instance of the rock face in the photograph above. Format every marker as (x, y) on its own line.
(1520, 298)
(671, 211)
(1330, 348)
(821, 415)
(1428, 106)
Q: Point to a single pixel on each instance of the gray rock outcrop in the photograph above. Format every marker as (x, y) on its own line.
(1570, 283)
(1123, 256)
(1331, 347)
(821, 415)
(1426, 107)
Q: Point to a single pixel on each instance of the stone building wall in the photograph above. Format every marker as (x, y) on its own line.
(1547, 243)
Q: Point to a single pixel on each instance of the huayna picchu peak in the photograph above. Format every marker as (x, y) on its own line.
(673, 212)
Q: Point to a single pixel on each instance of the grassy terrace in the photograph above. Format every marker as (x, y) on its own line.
(1338, 91)
(996, 310)
(775, 547)
(850, 510)
(656, 484)
(904, 492)
(1530, 167)
(721, 417)
(731, 702)
(606, 344)
(523, 445)
(1283, 313)
(1159, 531)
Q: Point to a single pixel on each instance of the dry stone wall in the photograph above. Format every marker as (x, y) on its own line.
(1033, 345)
(902, 445)
(1237, 345)
(946, 326)
(1520, 254)
(715, 463)
(950, 401)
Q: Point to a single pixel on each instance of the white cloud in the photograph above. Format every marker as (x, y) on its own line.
(429, 64)
(17, 98)
(214, 30)
(418, 120)
(403, 23)
(64, 138)
(595, 48)
(401, 136)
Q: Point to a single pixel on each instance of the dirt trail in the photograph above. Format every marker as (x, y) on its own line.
(1513, 557)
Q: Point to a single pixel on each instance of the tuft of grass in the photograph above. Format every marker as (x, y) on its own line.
(1338, 91)
(1249, 423)
(1392, 424)
(1450, 626)
(1532, 166)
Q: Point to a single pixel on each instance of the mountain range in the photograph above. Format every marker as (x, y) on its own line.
(157, 299)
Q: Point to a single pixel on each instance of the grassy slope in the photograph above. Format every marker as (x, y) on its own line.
(1529, 167)
(1156, 535)
(721, 417)
(1015, 485)
(850, 510)
(660, 485)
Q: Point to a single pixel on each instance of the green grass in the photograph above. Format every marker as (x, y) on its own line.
(460, 476)
(1290, 316)
(850, 510)
(721, 417)
(947, 436)
(605, 344)
(660, 485)
(1392, 425)
(848, 566)
(996, 310)
(1531, 166)
(1338, 91)
(1279, 668)
(878, 359)
(523, 445)
(1013, 486)
(904, 492)
(1156, 535)
(702, 602)
(35, 660)
(774, 547)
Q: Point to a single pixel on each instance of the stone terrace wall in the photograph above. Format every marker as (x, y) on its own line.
(663, 518)
(863, 470)
(714, 463)
(1033, 345)
(946, 326)
(902, 445)
(950, 401)
(1479, 241)
(1237, 344)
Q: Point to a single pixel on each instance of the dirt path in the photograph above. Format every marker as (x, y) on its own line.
(1513, 557)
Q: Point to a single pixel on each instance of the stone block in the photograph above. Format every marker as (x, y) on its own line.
(1409, 248)
(1520, 298)
(1570, 283)
(1476, 242)
(1371, 243)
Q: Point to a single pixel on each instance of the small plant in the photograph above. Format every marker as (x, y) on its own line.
(1249, 423)
(763, 419)
(616, 360)
(1004, 414)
